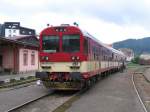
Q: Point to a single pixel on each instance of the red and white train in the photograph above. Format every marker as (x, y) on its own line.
(71, 59)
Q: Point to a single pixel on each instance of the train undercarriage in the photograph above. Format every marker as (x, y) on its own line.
(75, 82)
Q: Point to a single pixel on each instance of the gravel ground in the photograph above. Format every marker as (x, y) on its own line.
(143, 87)
(12, 98)
(147, 74)
(47, 104)
(113, 94)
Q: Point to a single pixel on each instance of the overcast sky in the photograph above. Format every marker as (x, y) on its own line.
(107, 20)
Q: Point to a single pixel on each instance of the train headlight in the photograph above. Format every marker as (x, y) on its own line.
(46, 58)
(64, 30)
(78, 58)
(57, 30)
(73, 57)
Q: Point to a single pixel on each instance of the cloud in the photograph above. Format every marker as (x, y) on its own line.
(109, 20)
(120, 12)
(105, 31)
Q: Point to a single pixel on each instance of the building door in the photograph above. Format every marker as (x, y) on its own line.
(1, 60)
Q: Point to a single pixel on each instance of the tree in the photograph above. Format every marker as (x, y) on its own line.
(135, 60)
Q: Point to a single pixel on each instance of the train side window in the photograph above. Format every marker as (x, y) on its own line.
(86, 46)
(112, 56)
(93, 52)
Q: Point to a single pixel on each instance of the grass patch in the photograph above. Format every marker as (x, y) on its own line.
(12, 80)
(67, 104)
(132, 64)
(22, 78)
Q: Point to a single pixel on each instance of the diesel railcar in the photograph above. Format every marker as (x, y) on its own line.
(72, 59)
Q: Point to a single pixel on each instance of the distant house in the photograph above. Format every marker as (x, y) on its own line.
(12, 29)
(144, 59)
(19, 54)
(128, 53)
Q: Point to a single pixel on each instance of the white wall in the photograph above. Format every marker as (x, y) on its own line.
(11, 33)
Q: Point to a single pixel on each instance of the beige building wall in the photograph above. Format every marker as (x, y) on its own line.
(29, 66)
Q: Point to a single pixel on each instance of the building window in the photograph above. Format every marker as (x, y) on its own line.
(32, 59)
(1, 60)
(9, 31)
(14, 31)
(29, 32)
(25, 58)
(13, 26)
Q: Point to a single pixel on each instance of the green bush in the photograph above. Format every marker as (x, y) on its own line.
(22, 78)
(30, 77)
(135, 60)
(12, 80)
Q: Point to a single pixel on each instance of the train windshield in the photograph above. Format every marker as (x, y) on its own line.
(50, 44)
(71, 43)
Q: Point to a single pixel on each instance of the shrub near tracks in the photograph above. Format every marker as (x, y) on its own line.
(14, 82)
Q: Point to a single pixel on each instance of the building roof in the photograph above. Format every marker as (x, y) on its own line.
(21, 37)
(145, 56)
(4, 39)
(128, 52)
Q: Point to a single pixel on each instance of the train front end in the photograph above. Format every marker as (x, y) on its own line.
(62, 59)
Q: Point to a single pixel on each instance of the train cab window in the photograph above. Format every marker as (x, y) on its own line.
(50, 44)
(85, 46)
(71, 43)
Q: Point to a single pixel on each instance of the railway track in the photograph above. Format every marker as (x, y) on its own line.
(136, 90)
(32, 104)
(56, 98)
(26, 103)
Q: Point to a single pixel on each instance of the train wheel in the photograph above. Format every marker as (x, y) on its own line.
(95, 78)
(105, 74)
(92, 81)
(99, 77)
(111, 71)
(102, 75)
(88, 84)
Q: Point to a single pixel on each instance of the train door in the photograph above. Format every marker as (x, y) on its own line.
(1, 62)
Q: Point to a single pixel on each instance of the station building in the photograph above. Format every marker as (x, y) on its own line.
(129, 53)
(144, 59)
(19, 54)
